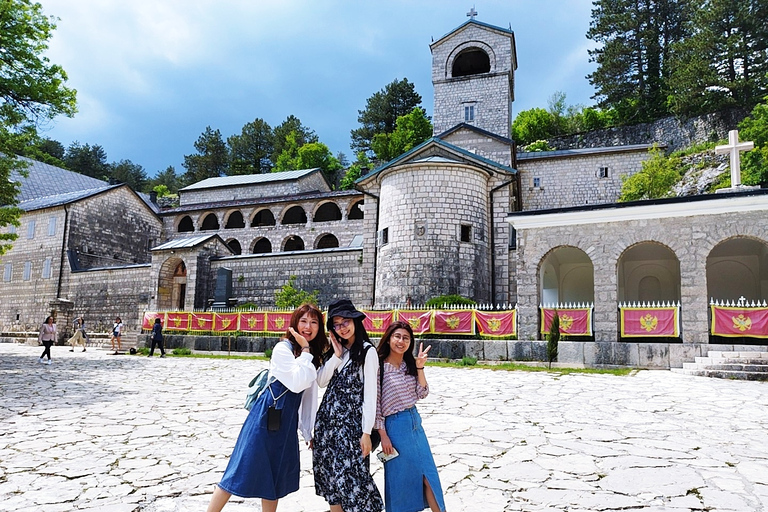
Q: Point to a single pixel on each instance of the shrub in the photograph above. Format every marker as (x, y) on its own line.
(437, 302)
(553, 338)
(182, 351)
(290, 297)
(468, 361)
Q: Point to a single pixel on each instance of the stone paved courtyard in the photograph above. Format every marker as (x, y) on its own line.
(125, 433)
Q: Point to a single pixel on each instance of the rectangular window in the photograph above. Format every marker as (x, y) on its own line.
(466, 233)
(603, 173)
(52, 226)
(537, 182)
(47, 268)
(469, 113)
(31, 229)
(384, 236)
(27, 271)
(7, 272)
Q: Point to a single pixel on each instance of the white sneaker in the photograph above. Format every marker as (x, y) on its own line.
(40, 360)
(49, 362)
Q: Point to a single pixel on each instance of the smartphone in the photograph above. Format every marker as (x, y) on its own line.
(385, 457)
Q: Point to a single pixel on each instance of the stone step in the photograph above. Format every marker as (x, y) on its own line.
(729, 366)
(721, 374)
(729, 360)
(731, 354)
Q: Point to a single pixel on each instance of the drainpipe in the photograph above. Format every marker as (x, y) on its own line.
(493, 239)
(375, 239)
(63, 251)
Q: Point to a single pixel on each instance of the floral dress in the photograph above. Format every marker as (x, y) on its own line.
(341, 473)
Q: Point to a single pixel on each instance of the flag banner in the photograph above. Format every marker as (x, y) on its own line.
(496, 323)
(278, 321)
(251, 322)
(376, 322)
(225, 322)
(737, 322)
(649, 322)
(453, 322)
(420, 320)
(576, 321)
(201, 322)
(177, 322)
(149, 320)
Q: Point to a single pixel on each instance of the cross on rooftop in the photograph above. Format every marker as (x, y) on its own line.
(734, 147)
(472, 13)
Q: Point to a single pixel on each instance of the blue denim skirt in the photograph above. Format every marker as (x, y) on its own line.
(404, 475)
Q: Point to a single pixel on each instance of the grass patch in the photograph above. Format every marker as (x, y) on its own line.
(182, 351)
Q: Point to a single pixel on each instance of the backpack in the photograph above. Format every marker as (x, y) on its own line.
(256, 387)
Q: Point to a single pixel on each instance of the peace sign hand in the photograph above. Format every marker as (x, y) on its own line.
(421, 358)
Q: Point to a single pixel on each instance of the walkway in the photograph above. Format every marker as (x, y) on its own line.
(126, 433)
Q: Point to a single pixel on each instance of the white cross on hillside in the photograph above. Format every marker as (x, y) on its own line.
(734, 147)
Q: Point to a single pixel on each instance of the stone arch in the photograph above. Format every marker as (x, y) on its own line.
(648, 272)
(294, 215)
(172, 285)
(263, 217)
(293, 243)
(356, 210)
(326, 241)
(210, 223)
(261, 246)
(470, 51)
(185, 225)
(738, 267)
(566, 274)
(327, 212)
(234, 246)
(235, 220)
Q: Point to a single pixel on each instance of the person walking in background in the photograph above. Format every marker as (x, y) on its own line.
(342, 442)
(265, 461)
(117, 332)
(411, 481)
(47, 337)
(157, 338)
(80, 336)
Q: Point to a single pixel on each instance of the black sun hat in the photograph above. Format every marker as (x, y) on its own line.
(343, 308)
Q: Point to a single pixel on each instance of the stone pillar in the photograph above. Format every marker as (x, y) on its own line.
(606, 321)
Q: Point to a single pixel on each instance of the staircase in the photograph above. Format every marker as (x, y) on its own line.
(729, 365)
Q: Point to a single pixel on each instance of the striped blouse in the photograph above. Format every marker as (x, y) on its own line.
(398, 391)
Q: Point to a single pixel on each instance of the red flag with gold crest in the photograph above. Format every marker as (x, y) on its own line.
(225, 322)
(201, 322)
(573, 321)
(420, 320)
(453, 321)
(278, 321)
(149, 320)
(251, 322)
(737, 322)
(376, 322)
(177, 322)
(496, 323)
(649, 322)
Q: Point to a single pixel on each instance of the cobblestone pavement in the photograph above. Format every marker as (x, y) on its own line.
(94, 431)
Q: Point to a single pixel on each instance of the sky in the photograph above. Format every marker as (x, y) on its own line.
(151, 75)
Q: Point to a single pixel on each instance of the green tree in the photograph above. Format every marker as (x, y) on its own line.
(654, 180)
(46, 150)
(290, 297)
(532, 125)
(301, 135)
(130, 173)
(287, 160)
(211, 158)
(553, 338)
(360, 167)
(755, 128)
(32, 91)
(396, 99)
(168, 179)
(250, 151)
(410, 130)
(88, 160)
(308, 156)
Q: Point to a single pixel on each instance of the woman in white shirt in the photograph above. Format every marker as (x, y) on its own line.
(47, 337)
(342, 442)
(265, 461)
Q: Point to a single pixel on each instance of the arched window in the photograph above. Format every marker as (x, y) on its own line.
(210, 223)
(294, 243)
(295, 215)
(262, 246)
(234, 246)
(235, 221)
(186, 226)
(472, 61)
(263, 218)
(327, 241)
(356, 212)
(327, 212)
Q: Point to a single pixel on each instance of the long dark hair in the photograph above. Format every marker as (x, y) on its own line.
(319, 343)
(384, 349)
(356, 352)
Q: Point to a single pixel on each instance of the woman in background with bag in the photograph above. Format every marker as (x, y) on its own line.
(342, 442)
(265, 461)
(411, 481)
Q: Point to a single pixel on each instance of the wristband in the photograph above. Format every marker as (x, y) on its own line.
(419, 368)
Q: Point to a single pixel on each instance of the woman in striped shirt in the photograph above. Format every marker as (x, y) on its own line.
(411, 481)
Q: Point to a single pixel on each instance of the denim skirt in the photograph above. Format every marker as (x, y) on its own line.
(404, 475)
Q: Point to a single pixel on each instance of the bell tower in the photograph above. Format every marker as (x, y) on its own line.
(473, 73)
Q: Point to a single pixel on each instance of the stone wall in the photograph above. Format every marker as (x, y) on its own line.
(309, 183)
(482, 145)
(673, 132)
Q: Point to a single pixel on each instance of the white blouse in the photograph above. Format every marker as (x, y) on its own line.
(297, 374)
(369, 374)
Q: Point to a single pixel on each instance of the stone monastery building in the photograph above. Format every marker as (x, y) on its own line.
(463, 213)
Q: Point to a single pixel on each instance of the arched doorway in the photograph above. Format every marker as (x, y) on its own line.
(738, 268)
(566, 275)
(356, 212)
(234, 246)
(648, 272)
(293, 243)
(327, 241)
(327, 212)
(172, 285)
(262, 246)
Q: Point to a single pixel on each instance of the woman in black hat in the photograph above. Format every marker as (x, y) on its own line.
(342, 442)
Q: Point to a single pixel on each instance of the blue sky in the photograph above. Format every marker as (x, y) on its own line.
(152, 74)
